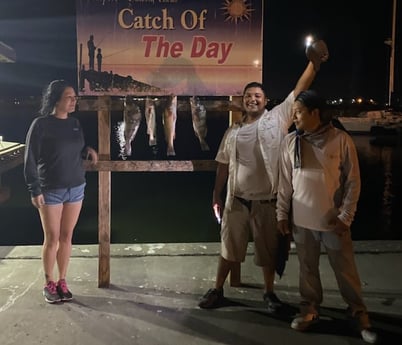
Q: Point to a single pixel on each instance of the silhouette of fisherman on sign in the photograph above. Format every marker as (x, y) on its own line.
(99, 59)
(91, 52)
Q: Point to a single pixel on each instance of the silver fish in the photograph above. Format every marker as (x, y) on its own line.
(169, 123)
(150, 117)
(199, 118)
(132, 121)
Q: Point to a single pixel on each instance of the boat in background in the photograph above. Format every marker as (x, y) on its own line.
(362, 123)
(365, 121)
(387, 131)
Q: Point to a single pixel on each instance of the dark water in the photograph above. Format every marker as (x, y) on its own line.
(380, 205)
(175, 207)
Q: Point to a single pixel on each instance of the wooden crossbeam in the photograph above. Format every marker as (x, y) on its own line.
(117, 104)
(153, 166)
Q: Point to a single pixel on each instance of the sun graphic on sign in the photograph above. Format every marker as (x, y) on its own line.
(237, 10)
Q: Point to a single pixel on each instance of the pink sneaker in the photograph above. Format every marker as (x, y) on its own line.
(63, 291)
(50, 293)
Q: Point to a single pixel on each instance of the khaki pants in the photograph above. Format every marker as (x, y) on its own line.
(341, 258)
(258, 218)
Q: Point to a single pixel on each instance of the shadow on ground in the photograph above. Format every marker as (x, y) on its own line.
(237, 322)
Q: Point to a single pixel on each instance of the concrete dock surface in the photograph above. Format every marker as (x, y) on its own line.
(155, 289)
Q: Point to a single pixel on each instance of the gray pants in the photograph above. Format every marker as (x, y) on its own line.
(341, 258)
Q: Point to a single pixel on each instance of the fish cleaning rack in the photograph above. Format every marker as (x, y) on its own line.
(104, 105)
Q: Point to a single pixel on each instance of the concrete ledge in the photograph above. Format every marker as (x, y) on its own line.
(175, 249)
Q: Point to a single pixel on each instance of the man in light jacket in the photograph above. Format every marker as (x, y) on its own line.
(319, 187)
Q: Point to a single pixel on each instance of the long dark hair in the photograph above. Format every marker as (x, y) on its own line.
(51, 95)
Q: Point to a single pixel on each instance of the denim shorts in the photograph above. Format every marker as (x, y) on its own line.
(64, 195)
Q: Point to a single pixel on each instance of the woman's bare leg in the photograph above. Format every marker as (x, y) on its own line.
(69, 218)
(50, 216)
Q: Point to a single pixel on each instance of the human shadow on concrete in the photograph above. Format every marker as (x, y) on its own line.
(239, 321)
(201, 325)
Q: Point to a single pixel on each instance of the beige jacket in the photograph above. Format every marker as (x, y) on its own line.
(326, 186)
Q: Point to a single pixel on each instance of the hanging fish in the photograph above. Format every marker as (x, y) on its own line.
(132, 120)
(150, 117)
(169, 123)
(199, 118)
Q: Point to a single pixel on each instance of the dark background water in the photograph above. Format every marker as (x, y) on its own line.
(176, 207)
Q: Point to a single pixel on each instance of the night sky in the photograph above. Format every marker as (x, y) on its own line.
(43, 34)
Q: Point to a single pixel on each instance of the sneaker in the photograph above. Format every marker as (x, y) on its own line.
(274, 303)
(303, 323)
(369, 336)
(212, 299)
(360, 323)
(50, 293)
(63, 291)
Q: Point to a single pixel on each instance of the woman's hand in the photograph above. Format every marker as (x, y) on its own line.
(92, 155)
(38, 201)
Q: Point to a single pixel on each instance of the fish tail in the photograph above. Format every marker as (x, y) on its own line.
(170, 151)
(127, 148)
(152, 141)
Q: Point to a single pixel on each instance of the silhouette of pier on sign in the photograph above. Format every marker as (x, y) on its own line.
(108, 81)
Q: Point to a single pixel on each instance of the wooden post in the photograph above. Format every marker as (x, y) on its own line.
(104, 217)
(235, 115)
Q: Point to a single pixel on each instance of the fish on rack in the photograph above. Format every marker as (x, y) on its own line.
(199, 119)
(150, 117)
(132, 120)
(169, 123)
